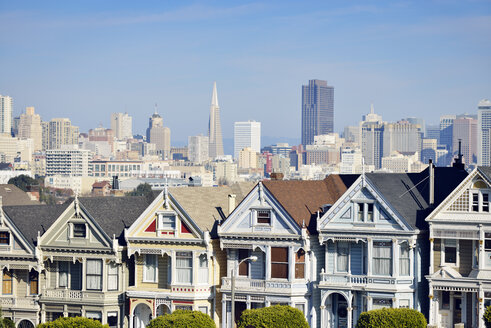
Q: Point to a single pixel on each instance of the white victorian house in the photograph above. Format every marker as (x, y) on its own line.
(460, 266)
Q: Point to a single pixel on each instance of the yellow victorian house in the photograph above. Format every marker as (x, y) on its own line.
(174, 256)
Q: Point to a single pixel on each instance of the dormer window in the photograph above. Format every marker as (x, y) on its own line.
(167, 222)
(4, 238)
(264, 217)
(79, 230)
(480, 201)
(364, 212)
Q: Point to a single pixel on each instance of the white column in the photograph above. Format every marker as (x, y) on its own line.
(131, 319)
(432, 256)
(395, 258)
(224, 312)
(84, 274)
(369, 256)
(323, 316)
(481, 307)
(464, 308)
(350, 309)
(432, 304)
(291, 264)
(481, 247)
(268, 262)
(173, 268)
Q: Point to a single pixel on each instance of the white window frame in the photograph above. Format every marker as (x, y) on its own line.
(101, 275)
(112, 275)
(191, 256)
(457, 250)
(145, 266)
(348, 258)
(480, 200)
(362, 206)
(408, 258)
(391, 273)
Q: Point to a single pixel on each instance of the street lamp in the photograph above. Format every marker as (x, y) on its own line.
(234, 272)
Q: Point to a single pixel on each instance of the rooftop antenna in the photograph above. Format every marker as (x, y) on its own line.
(363, 171)
(155, 108)
(166, 194)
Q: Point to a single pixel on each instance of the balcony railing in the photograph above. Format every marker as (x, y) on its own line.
(18, 302)
(257, 285)
(75, 295)
(353, 280)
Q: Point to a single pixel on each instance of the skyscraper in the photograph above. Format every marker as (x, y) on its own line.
(317, 110)
(59, 132)
(247, 134)
(198, 148)
(158, 134)
(6, 104)
(465, 130)
(483, 133)
(121, 124)
(30, 128)
(214, 126)
(446, 130)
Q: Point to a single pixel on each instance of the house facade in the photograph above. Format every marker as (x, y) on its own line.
(460, 249)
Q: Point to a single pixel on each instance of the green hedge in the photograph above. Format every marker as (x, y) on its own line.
(74, 322)
(487, 317)
(392, 318)
(8, 323)
(277, 316)
(183, 319)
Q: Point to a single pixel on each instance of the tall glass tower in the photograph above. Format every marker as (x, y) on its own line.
(317, 110)
(484, 133)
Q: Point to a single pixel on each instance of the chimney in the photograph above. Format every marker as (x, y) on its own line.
(231, 203)
(115, 185)
(276, 176)
(432, 182)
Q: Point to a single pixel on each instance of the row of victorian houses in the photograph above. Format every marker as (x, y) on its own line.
(331, 248)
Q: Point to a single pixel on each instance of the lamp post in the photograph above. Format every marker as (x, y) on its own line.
(234, 272)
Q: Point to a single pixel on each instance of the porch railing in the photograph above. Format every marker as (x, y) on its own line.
(353, 280)
(257, 285)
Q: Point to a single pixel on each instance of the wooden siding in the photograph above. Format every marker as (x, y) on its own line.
(465, 257)
(356, 258)
(22, 282)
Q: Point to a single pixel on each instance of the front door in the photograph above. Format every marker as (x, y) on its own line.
(342, 313)
(457, 309)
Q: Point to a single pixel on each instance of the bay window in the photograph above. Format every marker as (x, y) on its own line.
(112, 276)
(150, 268)
(184, 267)
(300, 264)
(7, 282)
(94, 274)
(450, 250)
(342, 256)
(33, 282)
(203, 269)
(244, 266)
(404, 260)
(382, 258)
(279, 262)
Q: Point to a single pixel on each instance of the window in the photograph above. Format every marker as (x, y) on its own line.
(94, 274)
(79, 230)
(4, 238)
(279, 262)
(475, 202)
(379, 303)
(112, 319)
(365, 212)
(33, 282)
(480, 201)
(445, 303)
(203, 269)
(93, 315)
(203, 309)
(7, 282)
(300, 307)
(112, 276)
(485, 202)
(244, 266)
(184, 267)
(264, 216)
(404, 260)
(382, 258)
(487, 242)
(63, 269)
(150, 268)
(167, 222)
(342, 257)
(300, 264)
(404, 304)
(370, 212)
(359, 215)
(184, 307)
(450, 250)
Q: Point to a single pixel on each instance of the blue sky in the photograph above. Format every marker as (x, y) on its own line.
(87, 59)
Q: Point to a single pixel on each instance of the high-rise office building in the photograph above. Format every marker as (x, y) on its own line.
(30, 128)
(317, 110)
(159, 135)
(433, 132)
(59, 132)
(483, 133)
(121, 124)
(247, 135)
(198, 149)
(446, 129)
(465, 131)
(215, 127)
(6, 105)
(420, 122)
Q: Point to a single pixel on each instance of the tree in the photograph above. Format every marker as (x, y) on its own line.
(22, 181)
(391, 318)
(73, 322)
(143, 189)
(487, 317)
(183, 319)
(276, 316)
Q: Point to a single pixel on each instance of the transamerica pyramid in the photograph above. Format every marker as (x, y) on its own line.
(214, 127)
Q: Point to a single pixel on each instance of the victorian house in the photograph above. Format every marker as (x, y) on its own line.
(174, 254)
(460, 240)
(272, 248)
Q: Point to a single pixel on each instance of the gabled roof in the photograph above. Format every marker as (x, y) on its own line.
(100, 184)
(12, 195)
(408, 193)
(486, 171)
(208, 205)
(302, 199)
(114, 214)
(31, 219)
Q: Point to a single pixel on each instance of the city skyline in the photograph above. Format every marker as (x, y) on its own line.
(425, 59)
